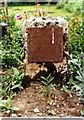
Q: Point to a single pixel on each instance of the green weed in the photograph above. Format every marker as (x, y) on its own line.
(6, 106)
(12, 82)
(60, 5)
(47, 82)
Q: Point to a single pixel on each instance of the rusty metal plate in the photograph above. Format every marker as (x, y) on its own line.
(45, 44)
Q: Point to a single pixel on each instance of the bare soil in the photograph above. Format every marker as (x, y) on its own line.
(31, 103)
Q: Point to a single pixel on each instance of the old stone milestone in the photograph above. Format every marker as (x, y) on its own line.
(57, 31)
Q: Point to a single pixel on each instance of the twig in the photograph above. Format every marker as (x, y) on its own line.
(7, 19)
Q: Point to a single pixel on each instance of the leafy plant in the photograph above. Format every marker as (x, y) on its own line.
(11, 55)
(75, 61)
(12, 82)
(82, 112)
(6, 106)
(67, 90)
(73, 7)
(47, 82)
(76, 79)
(3, 15)
(60, 5)
(76, 36)
(52, 112)
(76, 75)
(68, 18)
(13, 22)
(12, 50)
(70, 7)
(50, 102)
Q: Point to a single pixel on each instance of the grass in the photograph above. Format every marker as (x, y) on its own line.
(50, 10)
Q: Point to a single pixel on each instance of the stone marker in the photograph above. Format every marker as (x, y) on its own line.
(33, 69)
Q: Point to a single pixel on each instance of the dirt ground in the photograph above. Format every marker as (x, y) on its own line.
(31, 103)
